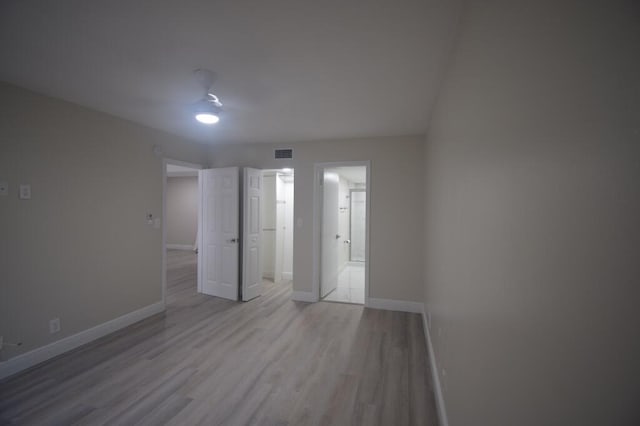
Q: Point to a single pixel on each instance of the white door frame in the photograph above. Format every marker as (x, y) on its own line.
(318, 169)
(166, 161)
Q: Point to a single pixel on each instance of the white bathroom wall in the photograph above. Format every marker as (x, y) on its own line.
(343, 221)
(268, 243)
(357, 225)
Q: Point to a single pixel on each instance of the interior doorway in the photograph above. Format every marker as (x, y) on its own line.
(342, 235)
(180, 230)
(277, 225)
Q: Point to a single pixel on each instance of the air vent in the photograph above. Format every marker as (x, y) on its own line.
(284, 153)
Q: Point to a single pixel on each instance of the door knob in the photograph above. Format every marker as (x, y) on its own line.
(347, 241)
(233, 240)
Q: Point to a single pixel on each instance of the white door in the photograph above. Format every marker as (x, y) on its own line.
(219, 252)
(358, 222)
(280, 229)
(330, 239)
(252, 226)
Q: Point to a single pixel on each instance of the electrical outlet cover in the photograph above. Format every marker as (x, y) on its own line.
(54, 325)
(25, 192)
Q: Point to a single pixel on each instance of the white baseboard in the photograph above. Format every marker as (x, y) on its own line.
(394, 305)
(179, 246)
(36, 356)
(287, 276)
(268, 275)
(304, 296)
(440, 407)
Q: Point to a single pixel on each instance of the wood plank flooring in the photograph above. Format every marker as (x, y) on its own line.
(270, 361)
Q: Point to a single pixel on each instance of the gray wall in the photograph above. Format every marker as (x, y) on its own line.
(182, 210)
(396, 205)
(80, 249)
(532, 264)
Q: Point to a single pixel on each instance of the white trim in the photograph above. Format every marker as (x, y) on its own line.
(304, 296)
(43, 353)
(200, 265)
(179, 247)
(166, 161)
(317, 221)
(183, 164)
(437, 388)
(182, 174)
(287, 276)
(394, 305)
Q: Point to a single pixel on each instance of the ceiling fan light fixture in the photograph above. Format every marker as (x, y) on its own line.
(207, 118)
(207, 110)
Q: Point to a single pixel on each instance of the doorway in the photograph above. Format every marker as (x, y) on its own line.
(277, 225)
(181, 198)
(342, 232)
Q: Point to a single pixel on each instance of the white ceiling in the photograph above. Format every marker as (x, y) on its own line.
(289, 70)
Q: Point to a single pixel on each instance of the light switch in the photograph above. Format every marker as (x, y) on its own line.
(4, 188)
(157, 222)
(25, 192)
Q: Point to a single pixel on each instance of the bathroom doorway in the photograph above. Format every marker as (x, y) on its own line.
(342, 238)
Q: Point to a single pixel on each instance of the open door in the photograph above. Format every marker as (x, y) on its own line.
(280, 229)
(330, 242)
(218, 255)
(252, 226)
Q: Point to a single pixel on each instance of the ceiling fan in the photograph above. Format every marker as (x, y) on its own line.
(207, 110)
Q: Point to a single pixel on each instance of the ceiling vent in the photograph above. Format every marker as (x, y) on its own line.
(284, 153)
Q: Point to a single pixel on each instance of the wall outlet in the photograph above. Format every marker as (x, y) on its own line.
(54, 325)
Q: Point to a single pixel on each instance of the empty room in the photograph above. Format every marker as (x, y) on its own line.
(384, 212)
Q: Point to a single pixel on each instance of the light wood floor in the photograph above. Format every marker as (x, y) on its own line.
(209, 361)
